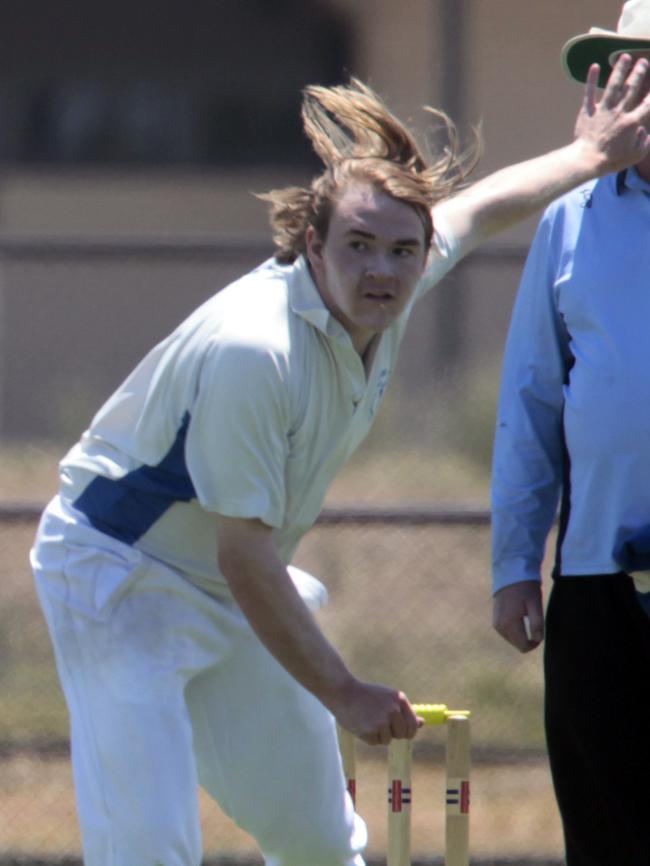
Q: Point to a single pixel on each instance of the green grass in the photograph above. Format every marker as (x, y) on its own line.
(32, 708)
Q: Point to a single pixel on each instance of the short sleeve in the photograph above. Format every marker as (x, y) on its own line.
(443, 256)
(237, 442)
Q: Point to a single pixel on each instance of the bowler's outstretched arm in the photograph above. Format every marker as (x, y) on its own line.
(611, 134)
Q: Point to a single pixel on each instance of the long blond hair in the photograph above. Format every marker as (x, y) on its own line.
(359, 140)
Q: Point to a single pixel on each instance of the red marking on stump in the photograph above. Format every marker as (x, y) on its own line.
(396, 795)
(464, 798)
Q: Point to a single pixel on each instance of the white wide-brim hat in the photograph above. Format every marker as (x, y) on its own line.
(632, 36)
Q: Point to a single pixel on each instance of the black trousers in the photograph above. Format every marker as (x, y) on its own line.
(597, 714)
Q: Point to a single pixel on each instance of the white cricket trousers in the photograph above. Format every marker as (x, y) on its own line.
(168, 688)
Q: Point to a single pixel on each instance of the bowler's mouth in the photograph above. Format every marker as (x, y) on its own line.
(379, 295)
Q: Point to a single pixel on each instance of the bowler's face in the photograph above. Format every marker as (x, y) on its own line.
(367, 268)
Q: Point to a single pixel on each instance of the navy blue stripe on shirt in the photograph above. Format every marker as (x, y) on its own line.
(565, 504)
(125, 508)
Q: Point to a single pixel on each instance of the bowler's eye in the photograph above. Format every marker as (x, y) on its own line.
(403, 252)
(358, 246)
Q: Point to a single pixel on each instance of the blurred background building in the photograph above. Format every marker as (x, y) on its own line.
(139, 124)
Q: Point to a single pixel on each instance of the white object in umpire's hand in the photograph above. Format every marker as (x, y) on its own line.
(311, 590)
(641, 580)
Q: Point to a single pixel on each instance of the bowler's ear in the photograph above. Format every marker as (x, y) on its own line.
(314, 245)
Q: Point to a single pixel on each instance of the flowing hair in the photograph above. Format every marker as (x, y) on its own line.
(360, 141)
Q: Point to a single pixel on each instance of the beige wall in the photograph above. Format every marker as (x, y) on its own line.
(397, 48)
(517, 87)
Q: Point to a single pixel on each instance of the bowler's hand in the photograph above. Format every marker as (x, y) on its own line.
(615, 129)
(376, 714)
(512, 605)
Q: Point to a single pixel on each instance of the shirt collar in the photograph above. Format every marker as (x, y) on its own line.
(629, 179)
(306, 302)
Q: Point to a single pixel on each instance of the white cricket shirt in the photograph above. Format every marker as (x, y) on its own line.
(248, 409)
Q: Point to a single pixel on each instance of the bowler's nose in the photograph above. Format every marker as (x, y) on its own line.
(380, 267)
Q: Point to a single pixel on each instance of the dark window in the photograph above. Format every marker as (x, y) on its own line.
(212, 82)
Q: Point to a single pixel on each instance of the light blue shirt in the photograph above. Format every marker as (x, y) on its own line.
(574, 409)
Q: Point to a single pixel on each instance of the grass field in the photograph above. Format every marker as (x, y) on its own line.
(510, 807)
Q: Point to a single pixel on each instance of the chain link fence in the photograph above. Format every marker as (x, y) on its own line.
(403, 545)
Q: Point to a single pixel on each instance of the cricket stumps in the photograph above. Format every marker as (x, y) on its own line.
(399, 785)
